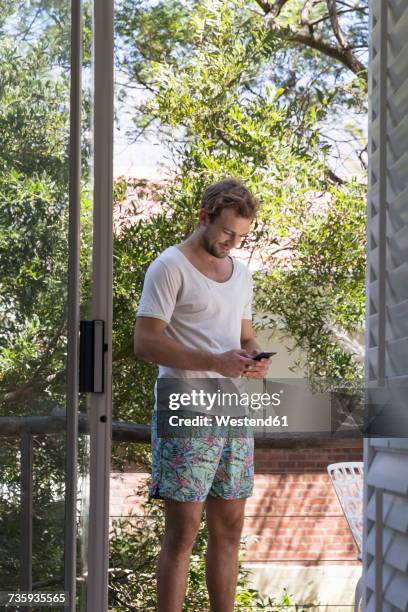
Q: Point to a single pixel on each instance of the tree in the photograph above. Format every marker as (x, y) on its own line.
(312, 51)
(218, 117)
(321, 296)
(229, 94)
(317, 24)
(34, 173)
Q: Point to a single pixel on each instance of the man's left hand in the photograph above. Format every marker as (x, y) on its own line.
(259, 369)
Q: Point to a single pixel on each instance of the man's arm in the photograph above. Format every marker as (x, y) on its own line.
(152, 344)
(248, 342)
(259, 369)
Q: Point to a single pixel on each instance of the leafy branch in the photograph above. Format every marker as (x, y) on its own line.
(306, 34)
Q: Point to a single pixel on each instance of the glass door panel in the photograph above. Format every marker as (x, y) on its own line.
(35, 68)
(44, 126)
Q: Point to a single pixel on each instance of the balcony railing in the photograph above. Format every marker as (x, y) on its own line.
(28, 426)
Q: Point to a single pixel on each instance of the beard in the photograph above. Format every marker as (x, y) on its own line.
(212, 249)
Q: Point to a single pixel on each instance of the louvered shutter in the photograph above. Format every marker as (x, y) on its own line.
(385, 548)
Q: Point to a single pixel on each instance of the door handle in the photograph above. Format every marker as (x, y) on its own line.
(91, 356)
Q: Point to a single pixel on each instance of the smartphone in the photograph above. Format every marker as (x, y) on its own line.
(263, 356)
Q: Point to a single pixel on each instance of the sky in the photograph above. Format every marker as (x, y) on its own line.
(141, 159)
(137, 160)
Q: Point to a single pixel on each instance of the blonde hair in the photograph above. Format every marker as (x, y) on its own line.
(229, 193)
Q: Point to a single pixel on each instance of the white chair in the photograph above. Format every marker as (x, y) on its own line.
(347, 480)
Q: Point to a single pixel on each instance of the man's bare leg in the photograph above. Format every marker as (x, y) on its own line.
(225, 520)
(181, 526)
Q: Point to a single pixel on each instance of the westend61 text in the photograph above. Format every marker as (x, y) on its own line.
(228, 421)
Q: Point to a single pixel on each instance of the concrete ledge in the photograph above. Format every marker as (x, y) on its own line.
(328, 588)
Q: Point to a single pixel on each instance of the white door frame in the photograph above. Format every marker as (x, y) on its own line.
(100, 407)
(70, 532)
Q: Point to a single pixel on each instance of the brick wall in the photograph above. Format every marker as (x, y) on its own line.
(294, 512)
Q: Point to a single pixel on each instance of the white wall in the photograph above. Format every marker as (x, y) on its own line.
(285, 357)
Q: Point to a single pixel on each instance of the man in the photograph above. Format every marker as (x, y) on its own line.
(194, 320)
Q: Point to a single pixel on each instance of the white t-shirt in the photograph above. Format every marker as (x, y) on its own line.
(201, 313)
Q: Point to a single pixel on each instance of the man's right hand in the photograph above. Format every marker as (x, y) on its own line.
(232, 364)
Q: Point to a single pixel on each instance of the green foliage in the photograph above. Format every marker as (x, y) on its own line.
(46, 25)
(228, 97)
(219, 117)
(134, 548)
(168, 34)
(34, 173)
(34, 118)
(320, 298)
(33, 254)
(158, 33)
(34, 124)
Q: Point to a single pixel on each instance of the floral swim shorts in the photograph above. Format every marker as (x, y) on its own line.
(189, 469)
